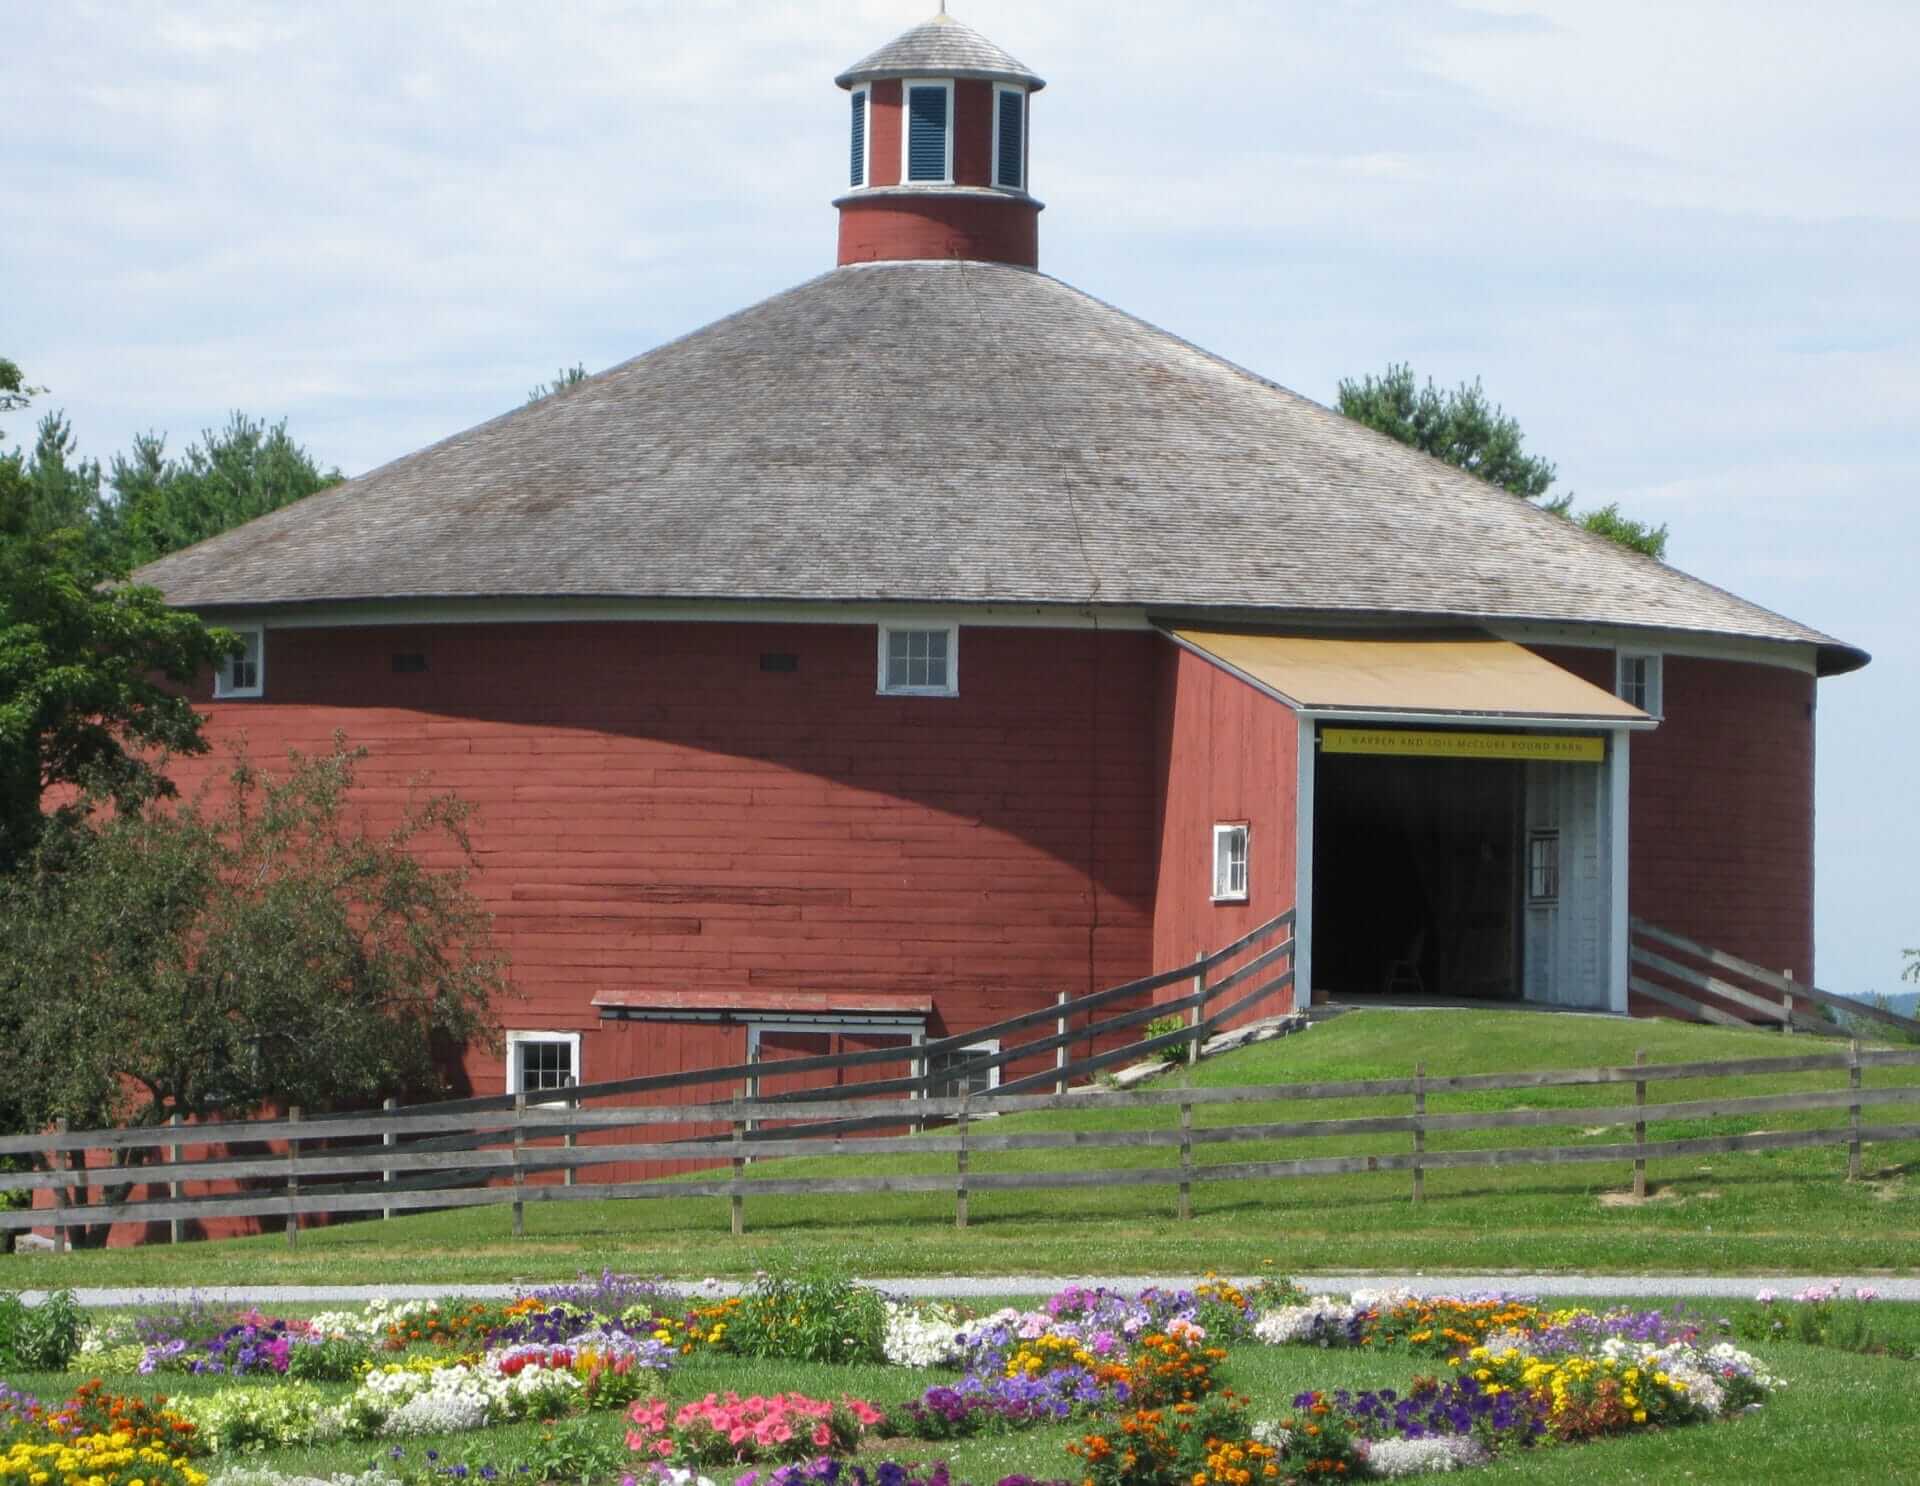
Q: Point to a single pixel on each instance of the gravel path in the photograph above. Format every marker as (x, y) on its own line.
(1672, 1286)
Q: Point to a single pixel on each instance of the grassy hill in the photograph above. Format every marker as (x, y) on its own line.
(1780, 1211)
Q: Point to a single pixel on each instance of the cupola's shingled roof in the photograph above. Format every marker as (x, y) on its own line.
(941, 47)
(947, 433)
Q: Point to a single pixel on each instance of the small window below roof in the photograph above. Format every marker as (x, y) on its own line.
(1637, 680)
(929, 133)
(1009, 138)
(1230, 862)
(244, 673)
(859, 151)
(920, 661)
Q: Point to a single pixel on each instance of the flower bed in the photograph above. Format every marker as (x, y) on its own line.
(1143, 1379)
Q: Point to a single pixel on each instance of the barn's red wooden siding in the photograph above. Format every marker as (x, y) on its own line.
(656, 813)
(1720, 820)
(1229, 753)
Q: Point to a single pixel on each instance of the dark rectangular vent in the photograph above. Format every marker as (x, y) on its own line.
(409, 664)
(775, 661)
(859, 176)
(1009, 165)
(927, 134)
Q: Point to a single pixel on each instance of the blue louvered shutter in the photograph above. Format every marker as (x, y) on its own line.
(1009, 167)
(859, 176)
(927, 134)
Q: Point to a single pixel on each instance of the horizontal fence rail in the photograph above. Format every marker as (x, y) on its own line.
(1726, 990)
(496, 1171)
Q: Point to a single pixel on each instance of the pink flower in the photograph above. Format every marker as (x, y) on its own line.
(822, 1436)
(1866, 1292)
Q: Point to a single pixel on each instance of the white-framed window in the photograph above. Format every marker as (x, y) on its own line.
(920, 660)
(926, 140)
(1543, 867)
(862, 126)
(243, 674)
(542, 1062)
(1637, 680)
(956, 1076)
(1230, 862)
(1009, 137)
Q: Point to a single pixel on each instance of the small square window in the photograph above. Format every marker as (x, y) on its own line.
(920, 662)
(1543, 867)
(966, 1073)
(1637, 681)
(1230, 863)
(542, 1062)
(244, 673)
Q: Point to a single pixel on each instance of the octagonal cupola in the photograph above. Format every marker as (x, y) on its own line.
(937, 164)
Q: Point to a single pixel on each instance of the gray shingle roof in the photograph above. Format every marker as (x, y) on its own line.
(947, 433)
(941, 47)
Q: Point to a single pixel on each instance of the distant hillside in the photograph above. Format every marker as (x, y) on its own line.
(1907, 1003)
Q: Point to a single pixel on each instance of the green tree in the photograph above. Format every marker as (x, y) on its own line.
(85, 665)
(64, 489)
(231, 476)
(255, 943)
(566, 377)
(1467, 431)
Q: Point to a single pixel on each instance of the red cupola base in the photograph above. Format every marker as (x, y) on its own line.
(909, 224)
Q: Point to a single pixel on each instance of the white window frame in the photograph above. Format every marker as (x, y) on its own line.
(989, 1045)
(952, 686)
(1223, 889)
(1655, 703)
(1025, 130)
(514, 1042)
(906, 129)
(864, 93)
(223, 687)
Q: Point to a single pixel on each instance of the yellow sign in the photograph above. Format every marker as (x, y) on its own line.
(1559, 748)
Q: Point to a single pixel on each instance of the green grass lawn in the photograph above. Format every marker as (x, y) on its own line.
(1788, 1211)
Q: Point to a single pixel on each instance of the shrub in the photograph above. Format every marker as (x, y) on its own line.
(38, 1338)
(809, 1312)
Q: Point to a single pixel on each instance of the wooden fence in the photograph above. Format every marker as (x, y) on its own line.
(449, 1153)
(1711, 985)
(514, 1136)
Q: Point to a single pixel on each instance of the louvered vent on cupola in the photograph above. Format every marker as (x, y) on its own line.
(928, 107)
(859, 174)
(1010, 139)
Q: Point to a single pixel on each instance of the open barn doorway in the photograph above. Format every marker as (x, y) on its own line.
(1416, 865)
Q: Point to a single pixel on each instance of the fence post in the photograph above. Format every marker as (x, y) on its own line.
(55, 1160)
(570, 1141)
(293, 1180)
(1853, 1111)
(387, 1139)
(519, 1169)
(1786, 1006)
(1639, 1128)
(1186, 1159)
(1198, 1014)
(960, 1163)
(736, 1202)
(174, 1226)
(1419, 1130)
(1060, 1052)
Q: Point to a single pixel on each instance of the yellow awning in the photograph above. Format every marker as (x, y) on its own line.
(1467, 673)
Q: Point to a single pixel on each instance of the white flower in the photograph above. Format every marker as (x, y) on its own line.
(1396, 1458)
(1322, 1321)
(922, 1335)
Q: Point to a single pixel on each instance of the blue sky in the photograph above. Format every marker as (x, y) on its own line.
(1678, 242)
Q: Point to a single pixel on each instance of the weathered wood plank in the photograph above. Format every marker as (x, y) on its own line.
(1682, 1001)
(1772, 978)
(1726, 990)
(1247, 940)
